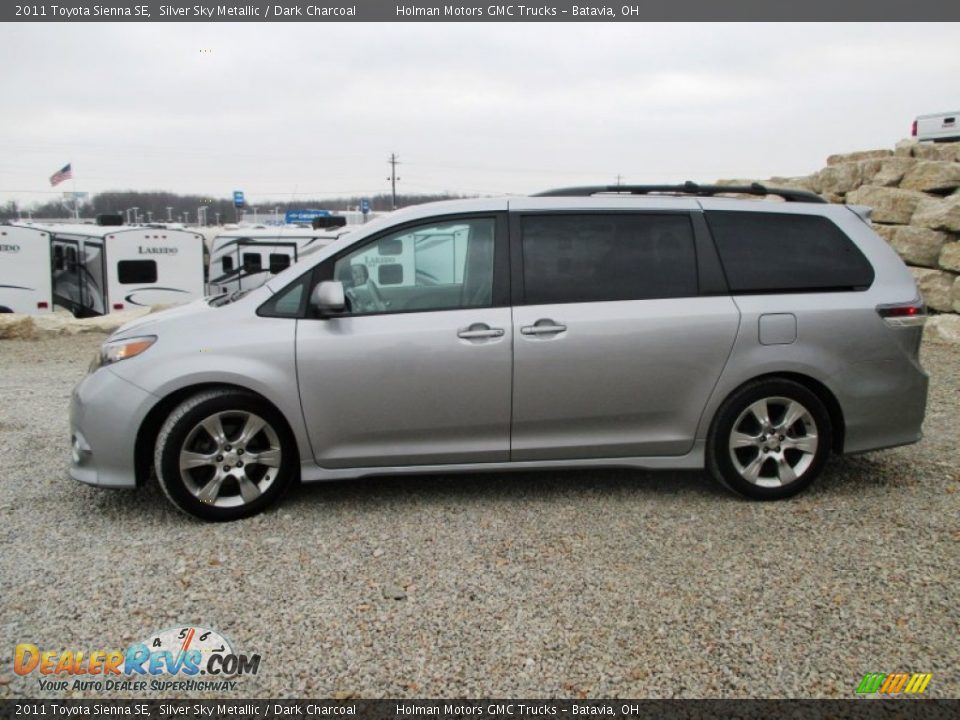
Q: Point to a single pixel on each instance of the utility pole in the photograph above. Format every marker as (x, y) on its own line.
(393, 179)
(619, 178)
(169, 214)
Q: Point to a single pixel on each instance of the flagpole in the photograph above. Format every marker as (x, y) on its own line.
(76, 201)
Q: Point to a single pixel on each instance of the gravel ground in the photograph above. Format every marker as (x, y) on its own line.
(563, 584)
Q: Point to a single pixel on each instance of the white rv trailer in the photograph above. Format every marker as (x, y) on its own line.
(25, 285)
(245, 258)
(100, 269)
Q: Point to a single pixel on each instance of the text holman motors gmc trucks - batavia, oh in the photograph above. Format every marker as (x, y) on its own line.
(517, 11)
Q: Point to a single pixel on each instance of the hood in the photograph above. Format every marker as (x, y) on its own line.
(147, 321)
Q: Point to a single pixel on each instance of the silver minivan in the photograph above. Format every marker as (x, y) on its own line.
(642, 327)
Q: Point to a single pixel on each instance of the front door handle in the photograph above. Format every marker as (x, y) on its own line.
(543, 327)
(479, 331)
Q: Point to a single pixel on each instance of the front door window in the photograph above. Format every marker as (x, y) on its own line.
(443, 266)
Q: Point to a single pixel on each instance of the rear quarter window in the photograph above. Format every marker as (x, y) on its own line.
(779, 252)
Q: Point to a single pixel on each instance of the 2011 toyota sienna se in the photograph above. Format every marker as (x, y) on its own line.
(642, 327)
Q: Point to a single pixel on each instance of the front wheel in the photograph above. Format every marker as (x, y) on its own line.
(224, 455)
(770, 440)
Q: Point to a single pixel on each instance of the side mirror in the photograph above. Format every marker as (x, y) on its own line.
(328, 299)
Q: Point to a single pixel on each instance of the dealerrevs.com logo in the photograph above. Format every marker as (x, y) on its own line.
(184, 659)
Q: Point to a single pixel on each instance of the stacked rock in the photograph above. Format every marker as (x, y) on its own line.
(914, 191)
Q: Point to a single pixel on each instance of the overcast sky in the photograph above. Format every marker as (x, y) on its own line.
(286, 110)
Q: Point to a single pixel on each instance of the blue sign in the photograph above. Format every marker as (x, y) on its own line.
(238, 198)
(364, 206)
(304, 216)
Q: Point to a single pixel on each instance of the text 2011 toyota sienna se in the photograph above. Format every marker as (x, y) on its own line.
(653, 327)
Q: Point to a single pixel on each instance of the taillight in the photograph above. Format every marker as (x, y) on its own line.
(913, 129)
(118, 306)
(42, 305)
(909, 314)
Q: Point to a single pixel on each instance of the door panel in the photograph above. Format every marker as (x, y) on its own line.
(622, 379)
(94, 287)
(405, 389)
(419, 372)
(66, 277)
(616, 351)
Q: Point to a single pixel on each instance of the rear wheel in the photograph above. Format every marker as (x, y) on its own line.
(224, 455)
(770, 440)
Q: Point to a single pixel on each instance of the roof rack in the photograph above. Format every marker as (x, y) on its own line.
(687, 188)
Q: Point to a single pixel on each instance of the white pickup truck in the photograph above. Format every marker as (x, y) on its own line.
(937, 127)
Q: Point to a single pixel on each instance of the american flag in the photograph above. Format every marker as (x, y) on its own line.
(64, 173)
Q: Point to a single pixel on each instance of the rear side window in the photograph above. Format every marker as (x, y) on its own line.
(390, 274)
(131, 272)
(252, 262)
(592, 258)
(279, 262)
(390, 246)
(779, 252)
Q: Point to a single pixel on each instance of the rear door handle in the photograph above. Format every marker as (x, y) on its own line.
(543, 327)
(479, 331)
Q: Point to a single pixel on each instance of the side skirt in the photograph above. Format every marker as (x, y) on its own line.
(693, 460)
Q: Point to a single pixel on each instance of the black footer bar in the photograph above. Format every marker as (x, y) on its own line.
(152, 709)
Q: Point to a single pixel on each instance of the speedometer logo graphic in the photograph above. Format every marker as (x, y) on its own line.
(181, 640)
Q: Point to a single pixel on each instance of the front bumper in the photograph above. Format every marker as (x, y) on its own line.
(105, 413)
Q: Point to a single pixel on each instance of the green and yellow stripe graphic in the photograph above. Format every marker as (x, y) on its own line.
(893, 683)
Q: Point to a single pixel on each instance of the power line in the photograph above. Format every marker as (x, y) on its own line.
(38, 192)
(216, 195)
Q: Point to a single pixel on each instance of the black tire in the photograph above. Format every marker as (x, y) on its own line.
(773, 452)
(232, 497)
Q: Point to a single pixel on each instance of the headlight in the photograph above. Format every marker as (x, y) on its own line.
(117, 350)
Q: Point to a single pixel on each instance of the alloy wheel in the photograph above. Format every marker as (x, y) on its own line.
(230, 458)
(773, 442)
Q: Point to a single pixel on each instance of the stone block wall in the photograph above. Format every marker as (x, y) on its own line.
(914, 191)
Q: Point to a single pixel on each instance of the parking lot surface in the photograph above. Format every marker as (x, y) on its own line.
(596, 583)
